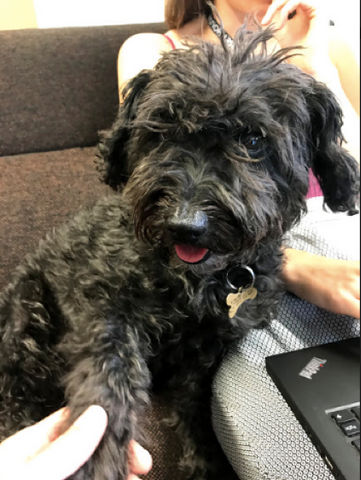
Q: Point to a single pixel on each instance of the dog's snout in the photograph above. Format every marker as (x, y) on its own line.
(188, 227)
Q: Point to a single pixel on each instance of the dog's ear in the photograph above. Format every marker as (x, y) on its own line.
(113, 165)
(336, 170)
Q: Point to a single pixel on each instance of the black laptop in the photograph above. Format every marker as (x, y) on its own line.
(322, 386)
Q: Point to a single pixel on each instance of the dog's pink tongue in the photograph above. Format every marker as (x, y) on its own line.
(190, 254)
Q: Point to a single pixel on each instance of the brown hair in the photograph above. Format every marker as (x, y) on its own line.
(179, 12)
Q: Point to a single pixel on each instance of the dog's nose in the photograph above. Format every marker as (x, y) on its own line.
(188, 227)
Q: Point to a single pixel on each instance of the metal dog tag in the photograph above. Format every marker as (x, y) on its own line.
(235, 300)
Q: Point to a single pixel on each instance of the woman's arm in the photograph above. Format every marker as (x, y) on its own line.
(342, 76)
(348, 67)
(328, 283)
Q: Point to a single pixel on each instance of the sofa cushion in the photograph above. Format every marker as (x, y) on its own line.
(163, 445)
(58, 87)
(39, 191)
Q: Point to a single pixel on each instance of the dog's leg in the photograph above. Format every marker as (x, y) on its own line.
(30, 367)
(111, 372)
(48, 360)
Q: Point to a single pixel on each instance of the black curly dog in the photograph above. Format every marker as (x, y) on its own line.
(210, 158)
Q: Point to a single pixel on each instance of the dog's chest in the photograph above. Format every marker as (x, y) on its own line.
(182, 332)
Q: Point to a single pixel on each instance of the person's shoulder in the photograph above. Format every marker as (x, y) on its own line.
(146, 42)
(139, 52)
(143, 49)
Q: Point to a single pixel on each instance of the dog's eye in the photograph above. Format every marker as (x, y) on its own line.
(253, 141)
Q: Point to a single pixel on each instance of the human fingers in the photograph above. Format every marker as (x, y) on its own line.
(31, 440)
(291, 6)
(272, 10)
(353, 293)
(350, 306)
(355, 266)
(71, 450)
(355, 288)
(354, 308)
(285, 8)
(141, 460)
(349, 277)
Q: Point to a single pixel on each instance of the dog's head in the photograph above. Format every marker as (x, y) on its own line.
(214, 147)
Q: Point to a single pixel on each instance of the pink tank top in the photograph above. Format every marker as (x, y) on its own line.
(170, 41)
(314, 189)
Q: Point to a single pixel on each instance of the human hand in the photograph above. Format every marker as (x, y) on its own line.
(308, 28)
(39, 453)
(328, 283)
(141, 461)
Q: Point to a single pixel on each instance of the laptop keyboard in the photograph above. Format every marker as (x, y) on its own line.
(348, 421)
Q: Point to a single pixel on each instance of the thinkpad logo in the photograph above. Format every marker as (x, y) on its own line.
(312, 368)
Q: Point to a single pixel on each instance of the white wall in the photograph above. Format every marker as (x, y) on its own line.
(345, 13)
(79, 13)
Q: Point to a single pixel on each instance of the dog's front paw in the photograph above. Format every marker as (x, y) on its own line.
(109, 462)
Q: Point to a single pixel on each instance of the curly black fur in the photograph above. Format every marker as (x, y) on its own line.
(210, 150)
